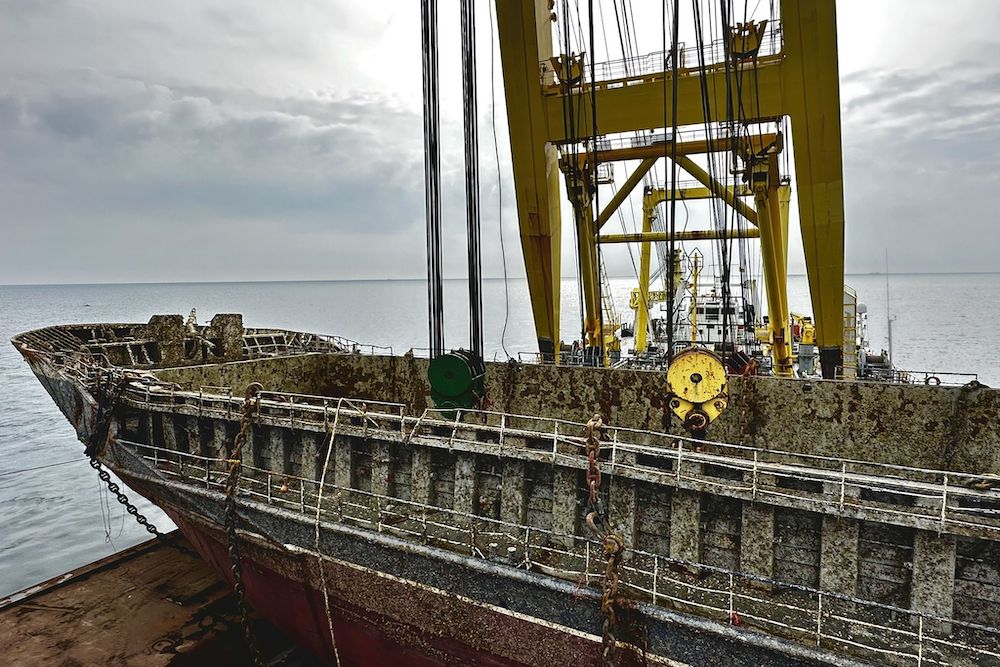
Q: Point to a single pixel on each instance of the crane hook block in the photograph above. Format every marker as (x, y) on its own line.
(457, 380)
(699, 390)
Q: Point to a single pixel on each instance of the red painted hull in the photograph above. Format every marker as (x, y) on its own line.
(385, 621)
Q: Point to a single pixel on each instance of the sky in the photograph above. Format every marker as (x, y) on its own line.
(200, 140)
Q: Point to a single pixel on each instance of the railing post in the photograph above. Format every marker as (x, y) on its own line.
(527, 556)
(944, 504)
(614, 452)
(656, 573)
(754, 493)
(268, 487)
(843, 484)
(920, 640)
(819, 617)
(732, 598)
(680, 452)
(555, 440)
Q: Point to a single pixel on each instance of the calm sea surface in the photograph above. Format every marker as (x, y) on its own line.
(59, 517)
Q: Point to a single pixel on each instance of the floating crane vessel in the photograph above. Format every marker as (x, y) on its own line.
(593, 506)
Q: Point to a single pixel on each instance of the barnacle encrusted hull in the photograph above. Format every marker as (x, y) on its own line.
(826, 522)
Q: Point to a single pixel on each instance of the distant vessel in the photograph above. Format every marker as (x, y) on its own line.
(731, 491)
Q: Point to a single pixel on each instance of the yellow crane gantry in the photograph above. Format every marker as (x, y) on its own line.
(800, 82)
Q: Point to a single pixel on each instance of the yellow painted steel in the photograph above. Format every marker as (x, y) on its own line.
(690, 235)
(637, 103)
(754, 143)
(801, 82)
(773, 224)
(588, 266)
(719, 190)
(695, 271)
(649, 203)
(699, 389)
(625, 190)
(525, 40)
(811, 96)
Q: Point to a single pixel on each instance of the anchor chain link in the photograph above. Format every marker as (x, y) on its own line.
(250, 404)
(612, 543)
(106, 404)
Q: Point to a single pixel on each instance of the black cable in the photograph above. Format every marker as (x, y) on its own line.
(570, 125)
(673, 174)
(473, 225)
(432, 175)
(47, 465)
(596, 207)
(496, 153)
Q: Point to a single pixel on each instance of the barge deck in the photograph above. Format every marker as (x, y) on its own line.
(152, 604)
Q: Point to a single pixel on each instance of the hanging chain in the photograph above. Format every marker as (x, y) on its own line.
(612, 542)
(250, 404)
(106, 403)
(129, 507)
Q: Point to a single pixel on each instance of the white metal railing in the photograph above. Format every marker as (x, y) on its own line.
(946, 500)
(712, 54)
(891, 635)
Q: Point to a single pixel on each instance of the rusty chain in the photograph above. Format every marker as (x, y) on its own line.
(612, 542)
(251, 403)
(595, 506)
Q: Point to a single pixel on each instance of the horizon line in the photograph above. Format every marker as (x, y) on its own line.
(423, 279)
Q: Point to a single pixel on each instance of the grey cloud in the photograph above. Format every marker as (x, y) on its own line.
(921, 158)
(151, 146)
(145, 164)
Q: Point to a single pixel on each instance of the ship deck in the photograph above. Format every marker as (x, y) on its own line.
(151, 604)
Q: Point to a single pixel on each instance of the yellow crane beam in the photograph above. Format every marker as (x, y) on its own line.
(773, 227)
(718, 189)
(690, 235)
(756, 143)
(525, 35)
(625, 190)
(639, 103)
(811, 96)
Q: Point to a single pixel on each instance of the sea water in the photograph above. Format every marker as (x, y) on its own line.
(56, 515)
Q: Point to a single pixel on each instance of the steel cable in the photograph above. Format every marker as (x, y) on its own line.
(432, 175)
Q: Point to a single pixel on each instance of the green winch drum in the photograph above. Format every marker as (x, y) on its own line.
(458, 380)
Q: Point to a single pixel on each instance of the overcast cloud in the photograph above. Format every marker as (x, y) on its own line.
(220, 140)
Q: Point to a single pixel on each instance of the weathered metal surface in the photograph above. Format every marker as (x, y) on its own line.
(724, 506)
(148, 605)
(420, 605)
(950, 428)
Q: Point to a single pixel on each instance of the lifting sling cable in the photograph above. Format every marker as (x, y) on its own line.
(673, 169)
(470, 117)
(432, 175)
(596, 204)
